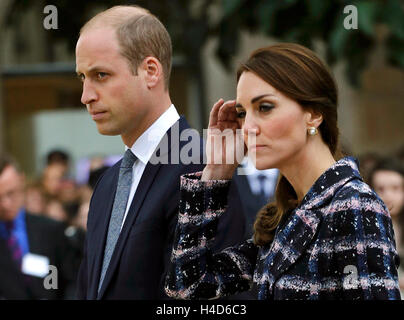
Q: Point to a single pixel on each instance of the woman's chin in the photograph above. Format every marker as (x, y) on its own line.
(260, 165)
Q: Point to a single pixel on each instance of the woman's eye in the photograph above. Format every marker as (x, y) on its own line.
(240, 114)
(265, 107)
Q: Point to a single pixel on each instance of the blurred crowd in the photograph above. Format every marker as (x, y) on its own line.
(55, 194)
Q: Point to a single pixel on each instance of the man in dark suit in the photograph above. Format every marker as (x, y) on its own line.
(123, 58)
(29, 244)
(256, 189)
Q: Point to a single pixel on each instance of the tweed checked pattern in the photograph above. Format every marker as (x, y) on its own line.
(118, 209)
(337, 244)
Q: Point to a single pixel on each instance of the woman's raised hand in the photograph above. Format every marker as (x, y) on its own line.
(224, 143)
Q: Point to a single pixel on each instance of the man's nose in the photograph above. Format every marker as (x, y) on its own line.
(89, 94)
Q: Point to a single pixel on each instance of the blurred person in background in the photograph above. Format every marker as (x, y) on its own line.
(60, 158)
(35, 200)
(28, 243)
(387, 179)
(367, 161)
(95, 174)
(256, 189)
(55, 210)
(80, 221)
(52, 178)
(55, 172)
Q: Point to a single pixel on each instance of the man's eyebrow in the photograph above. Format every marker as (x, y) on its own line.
(260, 97)
(92, 69)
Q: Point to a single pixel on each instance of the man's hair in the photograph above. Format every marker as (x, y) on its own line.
(140, 34)
(8, 161)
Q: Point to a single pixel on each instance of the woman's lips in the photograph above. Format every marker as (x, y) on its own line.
(257, 147)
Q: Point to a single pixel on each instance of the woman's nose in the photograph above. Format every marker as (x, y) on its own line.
(250, 126)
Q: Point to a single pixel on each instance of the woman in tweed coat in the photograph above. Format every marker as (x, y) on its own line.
(326, 236)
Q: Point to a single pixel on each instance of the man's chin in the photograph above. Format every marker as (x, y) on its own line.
(107, 131)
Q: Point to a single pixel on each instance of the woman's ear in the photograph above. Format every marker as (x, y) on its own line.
(153, 71)
(314, 118)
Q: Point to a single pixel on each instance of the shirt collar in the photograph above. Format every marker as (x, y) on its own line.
(146, 144)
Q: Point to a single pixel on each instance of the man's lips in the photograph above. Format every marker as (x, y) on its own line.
(97, 115)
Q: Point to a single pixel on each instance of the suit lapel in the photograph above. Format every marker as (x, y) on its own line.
(145, 183)
(103, 209)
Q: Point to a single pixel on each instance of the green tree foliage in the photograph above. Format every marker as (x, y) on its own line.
(190, 24)
(305, 21)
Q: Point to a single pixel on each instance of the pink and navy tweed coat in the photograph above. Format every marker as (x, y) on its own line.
(337, 244)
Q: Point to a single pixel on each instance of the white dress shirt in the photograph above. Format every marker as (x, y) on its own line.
(145, 146)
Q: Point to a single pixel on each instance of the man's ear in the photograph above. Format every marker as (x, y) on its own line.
(314, 118)
(153, 71)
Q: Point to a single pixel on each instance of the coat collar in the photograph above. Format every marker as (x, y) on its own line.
(293, 238)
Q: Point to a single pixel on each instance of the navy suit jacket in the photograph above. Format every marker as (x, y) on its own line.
(251, 202)
(141, 257)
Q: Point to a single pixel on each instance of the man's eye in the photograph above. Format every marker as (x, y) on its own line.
(101, 75)
(265, 107)
(80, 77)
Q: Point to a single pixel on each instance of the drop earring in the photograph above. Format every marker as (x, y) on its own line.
(312, 131)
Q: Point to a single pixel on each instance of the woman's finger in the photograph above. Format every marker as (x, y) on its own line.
(213, 117)
(227, 112)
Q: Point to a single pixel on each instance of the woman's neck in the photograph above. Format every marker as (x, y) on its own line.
(307, 166)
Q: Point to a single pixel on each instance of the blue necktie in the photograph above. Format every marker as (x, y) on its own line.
(118, 210)
(13, 245)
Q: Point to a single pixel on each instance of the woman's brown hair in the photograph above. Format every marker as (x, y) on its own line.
(300, 75)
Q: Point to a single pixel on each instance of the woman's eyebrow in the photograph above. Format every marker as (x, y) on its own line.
(255, 99)
(260, 97)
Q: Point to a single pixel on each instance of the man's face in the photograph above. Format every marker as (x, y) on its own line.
(115, 97)
(52, 178)
(11, 193)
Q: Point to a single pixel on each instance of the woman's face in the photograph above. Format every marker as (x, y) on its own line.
(389, 185)
(278, 122)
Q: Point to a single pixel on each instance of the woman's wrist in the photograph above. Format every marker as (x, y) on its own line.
(212, 172)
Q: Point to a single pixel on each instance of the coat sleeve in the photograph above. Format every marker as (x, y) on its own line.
(364, 247)
(195, 271)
